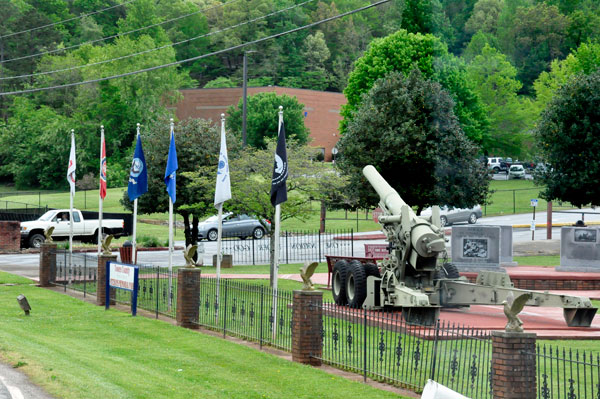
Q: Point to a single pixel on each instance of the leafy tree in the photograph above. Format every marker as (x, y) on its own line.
(402, 51)
(406, 128)
(584, 60)
(221, 81)
(537, 35)
(426, 16)
(511, 117)
(485, 17)
(568, 137)
(316, 53)
(198, 143)
(262, 118)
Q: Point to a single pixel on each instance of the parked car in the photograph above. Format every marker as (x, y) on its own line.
(497, 165)
(32, 233)
(455, 215)
(516, 172)
(241, 226)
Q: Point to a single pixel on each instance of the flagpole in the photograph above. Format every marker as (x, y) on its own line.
(219, 234)
(101, 201)
(71, 212)
(276, 244)
(133, 241)
(171, 236)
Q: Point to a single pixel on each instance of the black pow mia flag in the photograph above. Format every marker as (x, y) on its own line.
(280, 171)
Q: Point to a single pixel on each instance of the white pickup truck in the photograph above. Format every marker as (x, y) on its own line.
(32, 233)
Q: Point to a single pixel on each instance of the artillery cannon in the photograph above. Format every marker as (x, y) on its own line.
(412, 279)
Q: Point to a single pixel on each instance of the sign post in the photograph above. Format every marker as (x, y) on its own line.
(534, 203)
(123, 277)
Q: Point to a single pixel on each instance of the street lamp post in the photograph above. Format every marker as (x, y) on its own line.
(245, 89)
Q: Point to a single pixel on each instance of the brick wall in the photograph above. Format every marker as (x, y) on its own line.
(47, 271)
(322, 109)
(10, 236)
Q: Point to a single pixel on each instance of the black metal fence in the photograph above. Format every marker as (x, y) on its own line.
(250, 311)
(567, 374)
(157, 288)
(382, 346)
(294, 246)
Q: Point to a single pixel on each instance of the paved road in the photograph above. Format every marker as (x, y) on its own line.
(16, 385)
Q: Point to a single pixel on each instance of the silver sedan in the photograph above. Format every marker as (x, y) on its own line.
(241, 226)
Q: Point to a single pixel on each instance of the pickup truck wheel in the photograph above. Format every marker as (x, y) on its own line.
(258, 233)
(212, 235)
(340, 270)
(356, 284)
(472, 218)
(36, 240)
(496, 169)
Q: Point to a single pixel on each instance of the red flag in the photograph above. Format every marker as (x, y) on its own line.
(103, 168)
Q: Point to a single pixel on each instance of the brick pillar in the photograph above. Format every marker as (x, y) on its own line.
(513, 365)
(307, 323)
(47, 264)
(101, 283)
(188, 297)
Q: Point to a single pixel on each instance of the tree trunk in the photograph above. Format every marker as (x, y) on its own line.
(186, 228)
(195, 234)
(323, 216)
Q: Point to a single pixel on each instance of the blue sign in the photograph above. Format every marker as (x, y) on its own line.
(123, 277)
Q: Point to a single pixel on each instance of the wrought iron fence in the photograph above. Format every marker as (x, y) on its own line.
(294, 246)
(568, 374)
(382, 346)
(79, 272)
(250, 311)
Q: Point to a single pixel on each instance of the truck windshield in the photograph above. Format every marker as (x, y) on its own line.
(47, 216)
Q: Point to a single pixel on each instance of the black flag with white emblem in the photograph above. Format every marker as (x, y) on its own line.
(280, 171)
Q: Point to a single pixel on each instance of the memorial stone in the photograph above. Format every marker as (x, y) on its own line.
(506, 247)
(476, 248)
(579, 249)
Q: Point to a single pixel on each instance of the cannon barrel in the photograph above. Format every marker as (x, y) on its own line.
(425, 238)
(390, 197)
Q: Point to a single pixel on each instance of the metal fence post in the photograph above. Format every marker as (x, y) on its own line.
(352, 242)
(319, 247)
(225, 309)
(156, 290)
(364, 345)
(253, 260)
(287, 252)
(262, 297)
(435, 345)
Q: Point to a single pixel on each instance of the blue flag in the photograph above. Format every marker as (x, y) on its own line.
(138, 174)
(171, 170)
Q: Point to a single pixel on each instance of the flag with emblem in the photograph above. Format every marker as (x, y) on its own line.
(280, 170)
(138, 174)
(223, 187)
(102, 167)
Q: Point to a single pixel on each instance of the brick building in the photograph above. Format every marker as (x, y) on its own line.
(321, 109)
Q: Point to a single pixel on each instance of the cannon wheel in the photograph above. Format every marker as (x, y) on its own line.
(338, 289)
(448, 270)
(371, 269)
(356, 284)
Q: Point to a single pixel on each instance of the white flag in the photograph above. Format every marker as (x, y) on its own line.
(223, 189)
(72, 164)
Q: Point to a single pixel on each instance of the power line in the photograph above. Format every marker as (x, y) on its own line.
(231, 27)
(174, 63)
(67, 20)
(103, 39)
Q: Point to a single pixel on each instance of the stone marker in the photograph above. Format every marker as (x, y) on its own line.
(579, 249)
(506, 247)
(476, 248)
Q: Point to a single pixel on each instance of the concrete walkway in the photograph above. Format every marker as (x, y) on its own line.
(16, 385)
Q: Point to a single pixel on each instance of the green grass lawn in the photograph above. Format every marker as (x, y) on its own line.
(74, 349)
